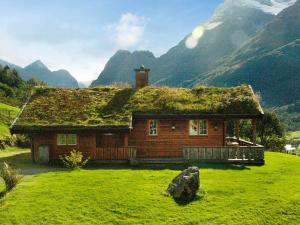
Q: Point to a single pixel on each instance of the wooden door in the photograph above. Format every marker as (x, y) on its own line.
(110, 147)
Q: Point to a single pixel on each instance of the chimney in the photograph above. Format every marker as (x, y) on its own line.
(141, 77)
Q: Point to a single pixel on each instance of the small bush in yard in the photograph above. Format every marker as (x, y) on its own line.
(10, 176)
(74, 160)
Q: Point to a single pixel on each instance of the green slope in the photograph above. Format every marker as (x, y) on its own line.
(235, 194)
(270, 61)
(7, 114)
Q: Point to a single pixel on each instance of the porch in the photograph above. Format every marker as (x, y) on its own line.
(245, 153)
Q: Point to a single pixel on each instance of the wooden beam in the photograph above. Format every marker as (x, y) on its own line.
(32, 148)
(126, 140)
(224, 132)
(237, 130)
(254, 126)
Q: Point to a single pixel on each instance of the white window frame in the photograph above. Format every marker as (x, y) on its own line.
(191, 131)
(58, 139)
(199, 128)
(66, 140)
(75, 139)
(156, 128)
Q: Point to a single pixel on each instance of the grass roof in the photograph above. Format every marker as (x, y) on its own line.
(112, 106)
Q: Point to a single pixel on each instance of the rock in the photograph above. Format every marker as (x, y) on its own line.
(185, 185)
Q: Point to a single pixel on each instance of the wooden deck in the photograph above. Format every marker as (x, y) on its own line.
(245, 152)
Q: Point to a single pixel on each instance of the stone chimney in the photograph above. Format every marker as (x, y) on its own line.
(141, 77)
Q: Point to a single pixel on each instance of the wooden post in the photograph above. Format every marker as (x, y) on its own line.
(254, 131)
(237, 130)
(126, 140)
(224, 132)
(32, 148)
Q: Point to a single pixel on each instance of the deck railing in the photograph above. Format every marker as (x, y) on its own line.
(240, 154)
(241, 142)
(115, 153)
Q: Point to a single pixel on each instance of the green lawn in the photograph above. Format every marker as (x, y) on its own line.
(4, 118)
(268, 194)
(294, 134)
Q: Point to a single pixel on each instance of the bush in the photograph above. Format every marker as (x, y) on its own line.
(10, 176)
(22, 141)
(74, 160)
(271, 132)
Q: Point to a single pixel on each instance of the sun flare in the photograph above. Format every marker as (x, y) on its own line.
(192, 41)
(198, 32)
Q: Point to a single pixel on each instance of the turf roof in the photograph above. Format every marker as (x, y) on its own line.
(113, 106)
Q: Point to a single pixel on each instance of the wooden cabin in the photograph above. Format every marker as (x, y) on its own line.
(143, 124)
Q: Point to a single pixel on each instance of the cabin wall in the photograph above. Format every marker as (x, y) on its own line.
(168, 142)
(86, 143)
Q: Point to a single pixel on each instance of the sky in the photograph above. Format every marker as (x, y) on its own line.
(81, 35)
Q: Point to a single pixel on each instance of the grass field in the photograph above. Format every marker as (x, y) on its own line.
(294, 134)
(5, 118)
(268, 194)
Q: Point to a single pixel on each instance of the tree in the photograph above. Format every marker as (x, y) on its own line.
(271, 132)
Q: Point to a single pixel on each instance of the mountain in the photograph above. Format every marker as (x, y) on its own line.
(37, 69)
(270, 61)
(233, 23)
(245, 41)
(13, 66)
(120, 67)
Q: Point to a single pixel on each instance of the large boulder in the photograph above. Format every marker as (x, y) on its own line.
(186, 185)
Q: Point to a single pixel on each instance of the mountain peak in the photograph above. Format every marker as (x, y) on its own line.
(38, 64)
(229, 7)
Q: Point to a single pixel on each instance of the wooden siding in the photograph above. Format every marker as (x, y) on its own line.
(168, 142)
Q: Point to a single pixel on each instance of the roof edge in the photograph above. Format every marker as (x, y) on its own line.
(34, 129)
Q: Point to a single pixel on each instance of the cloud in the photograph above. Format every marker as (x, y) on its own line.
(128, 31)
(70, 55)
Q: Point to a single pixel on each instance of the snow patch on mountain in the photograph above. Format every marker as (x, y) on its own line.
(268, 6)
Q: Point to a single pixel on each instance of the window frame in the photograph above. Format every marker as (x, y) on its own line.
(199, 129)
(149, 127)
(58, 139)
(66, 140)
(68, 135)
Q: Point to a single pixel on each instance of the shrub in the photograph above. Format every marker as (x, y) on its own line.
(271, 132)
(74, 160)
(22, 141)
(10, 176)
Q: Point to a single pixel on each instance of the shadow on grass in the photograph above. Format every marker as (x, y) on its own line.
(23, 162)
(2, 194)
(217, 166)
(183, 202)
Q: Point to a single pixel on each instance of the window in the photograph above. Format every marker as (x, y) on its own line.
(193, 127)
(202, 127)
(61, 139)
(66, 139)
(198, 127)
(153, 127)
(71, 139)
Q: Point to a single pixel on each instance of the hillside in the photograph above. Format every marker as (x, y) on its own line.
(7, 114)
(270, 61)
(38, 70)
(231, 194)
(251, 42)
(223, 35)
